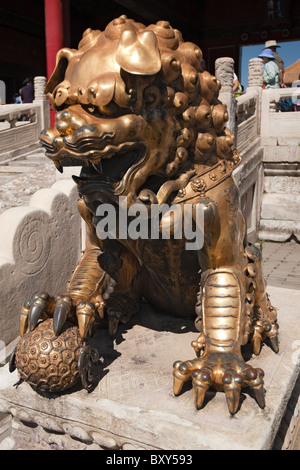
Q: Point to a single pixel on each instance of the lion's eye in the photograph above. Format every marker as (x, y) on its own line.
(109, 110)
(91, 109)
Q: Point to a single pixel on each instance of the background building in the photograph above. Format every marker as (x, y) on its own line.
(31, 30)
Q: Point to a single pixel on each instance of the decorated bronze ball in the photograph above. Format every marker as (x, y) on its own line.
(49, 363)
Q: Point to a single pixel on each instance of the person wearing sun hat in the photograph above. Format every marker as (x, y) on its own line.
(272, 44)
(271, 70)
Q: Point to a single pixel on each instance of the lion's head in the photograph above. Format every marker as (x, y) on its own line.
(135, 103)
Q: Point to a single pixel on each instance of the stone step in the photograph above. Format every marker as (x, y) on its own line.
(37, 156)
(26, 163)
(6, 178)
(11, 169)
(22, 176)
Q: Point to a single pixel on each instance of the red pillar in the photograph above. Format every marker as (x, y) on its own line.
(54, 31)
(54, 36)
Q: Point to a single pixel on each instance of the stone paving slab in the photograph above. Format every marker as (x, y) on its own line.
(133, 405)
(11, 169)
(281, 264)
(23, 177)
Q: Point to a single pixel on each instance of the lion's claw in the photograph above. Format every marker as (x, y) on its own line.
(232, 383)
(39, 306)
(223, 372)
(85, 312)
(263, 330)
(61, 313)
(61, 308)
(24, 317)
(202, 380)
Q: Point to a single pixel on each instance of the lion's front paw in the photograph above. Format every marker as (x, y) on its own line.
(222, 371)
(61, 308)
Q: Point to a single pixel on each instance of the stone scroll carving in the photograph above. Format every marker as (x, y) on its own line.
(31, 248)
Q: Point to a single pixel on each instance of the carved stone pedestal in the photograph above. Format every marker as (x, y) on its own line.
(133, 406)
(280, 215)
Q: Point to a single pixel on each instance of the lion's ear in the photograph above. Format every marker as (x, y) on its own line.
(138, 53)
(63, 58)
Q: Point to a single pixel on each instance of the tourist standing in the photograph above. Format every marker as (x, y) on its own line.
(237, 87)
(272, 44)
(27, 91)
(271, 70)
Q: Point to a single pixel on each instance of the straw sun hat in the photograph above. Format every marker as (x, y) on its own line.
(271, 43)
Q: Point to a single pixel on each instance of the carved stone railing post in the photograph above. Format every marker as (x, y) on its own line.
(2, 92)
(255, 72)
(255, 82)
(41, 98)
(224, 71)
(39, 87)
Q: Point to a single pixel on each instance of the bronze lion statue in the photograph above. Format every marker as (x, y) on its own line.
(137, 111)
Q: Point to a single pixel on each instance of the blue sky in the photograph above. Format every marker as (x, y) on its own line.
(289, 52)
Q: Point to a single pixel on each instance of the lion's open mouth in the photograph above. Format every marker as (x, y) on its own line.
(102, 161)
(113, 169)
(110, 177)
(86, 146)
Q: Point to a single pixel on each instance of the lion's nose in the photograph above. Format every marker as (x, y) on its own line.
(67, 122)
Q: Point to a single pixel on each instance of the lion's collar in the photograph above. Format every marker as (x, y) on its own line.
(207, 179)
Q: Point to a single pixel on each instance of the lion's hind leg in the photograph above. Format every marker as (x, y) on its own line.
(265, 315)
